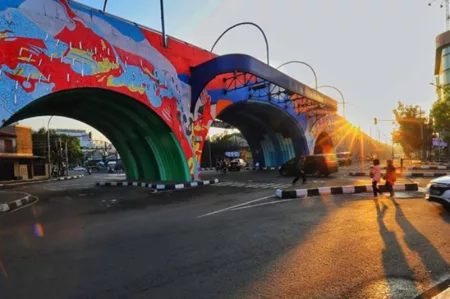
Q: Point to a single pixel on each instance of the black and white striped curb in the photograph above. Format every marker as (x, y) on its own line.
(158, 186)
(43, 181)
(300, 193)
(246, 168)
(425, 174)
(14, 205)
(428, 168)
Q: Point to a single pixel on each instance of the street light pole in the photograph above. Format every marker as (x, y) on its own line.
(340, 93)
(241, 24)
(304, 63)
(49, 148)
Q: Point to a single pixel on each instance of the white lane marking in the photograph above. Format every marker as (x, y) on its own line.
(263, 204)
(235, 206)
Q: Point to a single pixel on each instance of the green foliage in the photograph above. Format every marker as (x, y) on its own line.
(219, 144)
(415, 129)
(441, 114)
(57, 147)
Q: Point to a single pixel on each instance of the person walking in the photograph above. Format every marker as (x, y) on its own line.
(375, 174)
(390, 177)
(300, 170)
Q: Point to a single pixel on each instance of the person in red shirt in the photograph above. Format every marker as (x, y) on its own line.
(390, 177)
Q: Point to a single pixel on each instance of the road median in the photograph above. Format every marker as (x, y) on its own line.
(158, 186)
(337, 190)
(10, 201)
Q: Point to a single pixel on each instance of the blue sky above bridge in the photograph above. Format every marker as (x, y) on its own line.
(376, 52)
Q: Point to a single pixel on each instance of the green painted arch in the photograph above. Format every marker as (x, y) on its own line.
(148, 148)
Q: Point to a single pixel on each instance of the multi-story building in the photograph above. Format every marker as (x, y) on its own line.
(442, 64)
(17, 161)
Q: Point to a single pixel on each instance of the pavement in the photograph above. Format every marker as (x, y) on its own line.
(221, 241)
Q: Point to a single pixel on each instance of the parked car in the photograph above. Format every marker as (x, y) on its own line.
(236, 165)
(439, 191)
(317, 165)
(344, 158)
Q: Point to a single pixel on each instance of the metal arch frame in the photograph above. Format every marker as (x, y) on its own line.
(203, 73)
(340, 93)
(304, 63)
(241, 24)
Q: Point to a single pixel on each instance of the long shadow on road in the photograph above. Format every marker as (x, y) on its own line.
(430, 257)
(398, 274)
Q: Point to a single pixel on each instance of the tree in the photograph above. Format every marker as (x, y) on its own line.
(57, 147)
(221, 143)
(440, 111)
(414, 130)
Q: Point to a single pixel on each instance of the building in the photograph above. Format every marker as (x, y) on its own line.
(17, 161)
(442, 64)
(84, 137)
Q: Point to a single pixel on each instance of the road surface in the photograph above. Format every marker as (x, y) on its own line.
(224, 241)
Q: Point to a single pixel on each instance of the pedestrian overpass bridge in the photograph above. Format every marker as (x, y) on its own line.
(154, 103)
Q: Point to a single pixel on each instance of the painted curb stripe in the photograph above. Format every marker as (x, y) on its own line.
(13, 205)
(158, 186)
(339, 190)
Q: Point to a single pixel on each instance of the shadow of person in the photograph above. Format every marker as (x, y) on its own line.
(398, 274)
(433, 262)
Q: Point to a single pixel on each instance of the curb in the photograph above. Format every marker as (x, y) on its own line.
(425, 174)
(43, 181)
(246, 168)
(158, 186)
(428, 168)
(15, 204)
(300, 193)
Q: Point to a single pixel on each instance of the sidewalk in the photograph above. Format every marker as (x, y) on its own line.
(18, 183)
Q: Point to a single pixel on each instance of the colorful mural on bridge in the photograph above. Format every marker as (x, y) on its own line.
(49, 46)
(54, 45)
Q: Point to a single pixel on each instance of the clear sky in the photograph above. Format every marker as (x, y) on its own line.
(375, 52)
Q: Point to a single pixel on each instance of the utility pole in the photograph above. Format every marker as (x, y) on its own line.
(447, 11)
(67, 159)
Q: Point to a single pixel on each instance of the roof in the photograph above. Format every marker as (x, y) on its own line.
(6, 134)
(207, 71)
(18, 156)
(442, 41)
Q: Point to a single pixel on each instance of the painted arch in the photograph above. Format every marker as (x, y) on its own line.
(48, 46)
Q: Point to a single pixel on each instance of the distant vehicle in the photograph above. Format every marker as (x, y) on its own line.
(344, 158)
(317, 165)
(439, 191)
(79, 169)
(236, 165)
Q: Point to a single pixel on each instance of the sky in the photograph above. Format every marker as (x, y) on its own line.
(376, 52)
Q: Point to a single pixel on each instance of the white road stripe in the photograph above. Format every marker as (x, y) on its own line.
(264, 203)
(235, 206)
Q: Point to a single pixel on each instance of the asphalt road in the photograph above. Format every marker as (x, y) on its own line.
(224, 241)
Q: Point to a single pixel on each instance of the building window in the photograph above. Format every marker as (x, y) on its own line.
(9, 146)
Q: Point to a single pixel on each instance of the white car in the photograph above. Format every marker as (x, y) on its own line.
(438, 190)
(79, 168)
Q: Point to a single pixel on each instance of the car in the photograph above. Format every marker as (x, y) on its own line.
(236, 165)
(438, 190)
(317, 165)
(344, 158)
(79, 168)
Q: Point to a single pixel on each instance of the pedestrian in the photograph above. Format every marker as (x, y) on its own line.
(375, 174)
(300, 170)
(390, 177)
